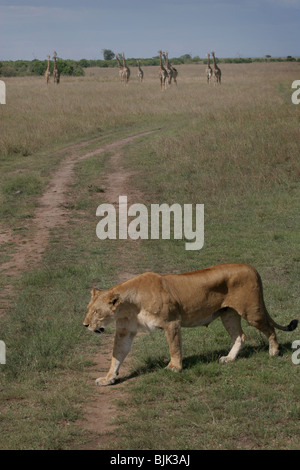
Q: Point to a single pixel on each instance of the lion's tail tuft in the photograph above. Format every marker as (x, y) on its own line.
(293, 325)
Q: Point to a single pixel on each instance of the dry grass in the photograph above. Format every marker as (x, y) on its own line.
(38, 117)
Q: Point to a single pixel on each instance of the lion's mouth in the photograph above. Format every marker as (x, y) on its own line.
(99, 331)
(96, 330)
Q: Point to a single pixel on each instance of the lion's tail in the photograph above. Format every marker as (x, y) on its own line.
(290, 327)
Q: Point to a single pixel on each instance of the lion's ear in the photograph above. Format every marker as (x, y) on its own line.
(95, 292)
(114, 301)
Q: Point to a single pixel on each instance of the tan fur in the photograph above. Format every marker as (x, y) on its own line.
(169, 302)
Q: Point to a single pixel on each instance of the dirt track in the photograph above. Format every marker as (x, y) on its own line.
(50, 213)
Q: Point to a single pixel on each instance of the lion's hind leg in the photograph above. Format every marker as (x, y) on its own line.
(263, 325)
(232, 322)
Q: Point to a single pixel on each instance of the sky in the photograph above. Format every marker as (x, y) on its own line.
(32, 29)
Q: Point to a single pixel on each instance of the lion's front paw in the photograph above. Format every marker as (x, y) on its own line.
(173, 368)
(224, 359)
(105, 381)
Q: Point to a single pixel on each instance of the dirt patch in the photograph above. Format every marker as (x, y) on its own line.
(100, 412)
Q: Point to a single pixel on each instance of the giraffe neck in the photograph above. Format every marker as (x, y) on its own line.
(160, 60)
(119, 63)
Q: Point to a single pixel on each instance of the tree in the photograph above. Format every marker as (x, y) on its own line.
(186, 56)
(108, 54)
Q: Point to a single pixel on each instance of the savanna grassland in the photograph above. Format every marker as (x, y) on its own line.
(234, 148)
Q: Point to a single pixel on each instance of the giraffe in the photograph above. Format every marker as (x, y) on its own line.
(56, 73)
(121, 69)
(140, 71)
(216, 71)
(208, 70)
(47, 72)
(163, 74)
(168, 68)
(126, 70)
(172, 72)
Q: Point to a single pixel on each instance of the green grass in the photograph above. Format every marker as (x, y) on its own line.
(235, 150)
(249, 404)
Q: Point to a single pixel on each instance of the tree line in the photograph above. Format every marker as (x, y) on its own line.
(21, 68)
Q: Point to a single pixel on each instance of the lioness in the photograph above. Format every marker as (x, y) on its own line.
(230, 291)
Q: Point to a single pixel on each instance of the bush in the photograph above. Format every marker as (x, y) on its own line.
(20, 68)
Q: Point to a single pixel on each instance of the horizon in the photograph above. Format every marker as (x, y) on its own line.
(81, 30)
(284, 58)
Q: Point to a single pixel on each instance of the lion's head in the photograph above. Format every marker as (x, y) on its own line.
(101, 310)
